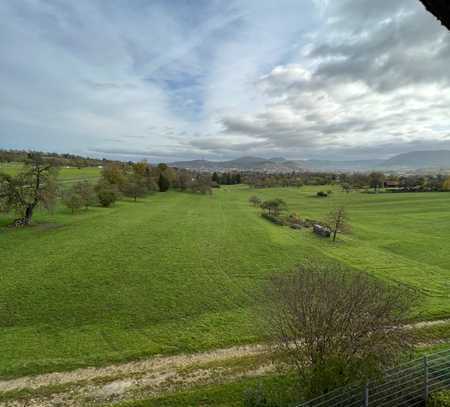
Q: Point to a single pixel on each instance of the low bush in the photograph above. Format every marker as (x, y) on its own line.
(321, 194)
(293, 218)
(440, 399)
(272, 218)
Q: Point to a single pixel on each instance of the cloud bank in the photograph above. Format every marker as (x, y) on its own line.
(180, 80)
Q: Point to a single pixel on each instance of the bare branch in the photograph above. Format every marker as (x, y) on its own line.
(337, 326)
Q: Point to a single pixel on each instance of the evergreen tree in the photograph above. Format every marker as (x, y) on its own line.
(163, 183)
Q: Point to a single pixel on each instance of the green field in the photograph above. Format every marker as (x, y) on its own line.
(278, 388)
(178, 272)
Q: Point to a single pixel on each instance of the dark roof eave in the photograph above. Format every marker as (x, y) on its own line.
(440, 9)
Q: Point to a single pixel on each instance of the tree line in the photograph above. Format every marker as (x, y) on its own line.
(226, 178)
(292, 179)
(375, 180)
(395, 183)
(57, 160)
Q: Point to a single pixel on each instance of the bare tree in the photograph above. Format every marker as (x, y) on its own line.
(336, 326)
(337, 222)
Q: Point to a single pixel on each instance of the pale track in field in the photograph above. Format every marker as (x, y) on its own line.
(95, 386)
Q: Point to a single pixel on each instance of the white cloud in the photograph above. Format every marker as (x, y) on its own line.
(217, 79)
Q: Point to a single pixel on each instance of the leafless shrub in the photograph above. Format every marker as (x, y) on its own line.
(336, 326)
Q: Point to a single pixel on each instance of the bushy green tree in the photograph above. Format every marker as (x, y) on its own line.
(163, 183)
(135, 186)
(107, 193)
(146, 174)
(114, 174)
(72, 200)
(274, 206)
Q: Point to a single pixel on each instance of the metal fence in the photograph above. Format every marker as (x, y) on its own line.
(407, 385)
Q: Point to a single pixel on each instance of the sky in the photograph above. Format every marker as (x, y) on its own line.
(205, 79)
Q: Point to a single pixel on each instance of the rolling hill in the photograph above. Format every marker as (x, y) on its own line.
(415, 160)
(420, 159)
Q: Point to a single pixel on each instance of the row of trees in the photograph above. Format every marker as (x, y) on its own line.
(36, 185)
(134, 180)
(226, 178)
(405, 183)
(293, 179)
(349, 181)
(118, 180)
(195, 182)
(429, 183)
(71, 160)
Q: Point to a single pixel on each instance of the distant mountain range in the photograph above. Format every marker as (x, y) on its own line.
(421, 159)
(412, 161)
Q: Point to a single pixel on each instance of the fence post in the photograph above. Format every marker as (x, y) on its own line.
(366, 395)
(425, 383)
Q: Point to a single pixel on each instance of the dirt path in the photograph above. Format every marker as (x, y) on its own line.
(97, 386)
(145, 378)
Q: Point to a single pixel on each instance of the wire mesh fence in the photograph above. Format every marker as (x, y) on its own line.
(408, 385)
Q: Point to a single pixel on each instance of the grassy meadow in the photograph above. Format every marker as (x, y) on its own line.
(178, 272)
(66, 175)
